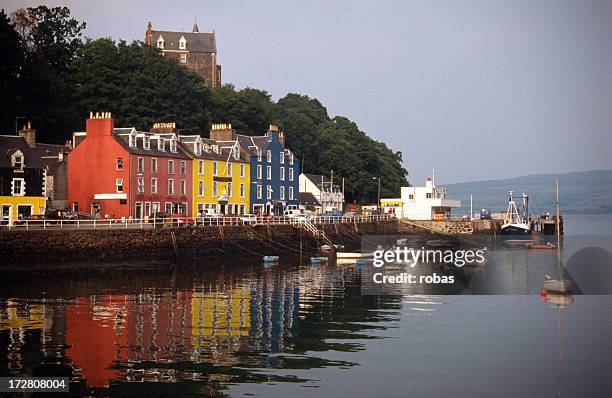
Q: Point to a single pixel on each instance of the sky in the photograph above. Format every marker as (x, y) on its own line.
(475, 89)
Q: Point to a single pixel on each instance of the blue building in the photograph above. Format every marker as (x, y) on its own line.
(274, 171)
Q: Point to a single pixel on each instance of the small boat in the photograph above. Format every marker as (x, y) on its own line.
(353, 255)
(539, 246)
(269, 259)
(515, 222)
(559, 286)
(518, 242)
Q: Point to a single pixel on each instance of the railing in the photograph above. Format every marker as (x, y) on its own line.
(144, 223)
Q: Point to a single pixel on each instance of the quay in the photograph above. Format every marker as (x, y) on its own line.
(43, 242)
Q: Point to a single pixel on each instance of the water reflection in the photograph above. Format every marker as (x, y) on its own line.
(199, 326)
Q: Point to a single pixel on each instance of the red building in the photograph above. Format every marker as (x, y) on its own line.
(121, 172)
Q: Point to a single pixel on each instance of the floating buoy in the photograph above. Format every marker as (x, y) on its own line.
(543, 294)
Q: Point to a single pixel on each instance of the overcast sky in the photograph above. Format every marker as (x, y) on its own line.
(476, 89)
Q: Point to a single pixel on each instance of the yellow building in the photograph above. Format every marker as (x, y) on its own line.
(220, 177)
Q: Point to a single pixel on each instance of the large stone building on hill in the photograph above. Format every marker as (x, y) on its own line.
(196, 50)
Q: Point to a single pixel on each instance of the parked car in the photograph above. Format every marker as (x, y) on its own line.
(248, 218)
(37, 218)
(295, 213)
(485, 214)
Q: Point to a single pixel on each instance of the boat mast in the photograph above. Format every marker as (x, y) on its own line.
(557, 222)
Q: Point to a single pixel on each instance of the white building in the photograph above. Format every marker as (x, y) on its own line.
(328, 195)
(426, 203)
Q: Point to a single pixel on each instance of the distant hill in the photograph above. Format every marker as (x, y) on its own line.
(588, 192)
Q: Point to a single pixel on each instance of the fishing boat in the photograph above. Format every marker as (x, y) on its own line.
(515, 222)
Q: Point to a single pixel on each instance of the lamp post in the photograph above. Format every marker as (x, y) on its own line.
(378, 202)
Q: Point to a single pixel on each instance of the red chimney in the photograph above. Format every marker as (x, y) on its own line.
(100, 124)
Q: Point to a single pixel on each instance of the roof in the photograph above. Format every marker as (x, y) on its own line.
(39, 157)
(198, 42)
(318, 179)
(186, 142)
(307, 198)
(251, 143)
(122, 137)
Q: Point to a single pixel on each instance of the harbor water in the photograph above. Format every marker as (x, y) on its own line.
(237, 327)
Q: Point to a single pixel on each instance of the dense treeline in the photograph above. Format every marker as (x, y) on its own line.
(52, 77)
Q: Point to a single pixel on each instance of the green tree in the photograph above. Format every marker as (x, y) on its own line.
(139, 86)
(249, 110)
(11, 62)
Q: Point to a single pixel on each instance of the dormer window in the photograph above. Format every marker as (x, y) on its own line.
(269, 155)
(132, 140)
(206, 148)
(17, 160)
(258, 155)
(291, 158)
(182, 43)
(161, 144)
(146, 142)
(236, 153)
(160, 42)
(198, 148)
(173, 145)
(215, 148)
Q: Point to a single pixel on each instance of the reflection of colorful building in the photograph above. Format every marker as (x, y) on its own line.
(220, 314)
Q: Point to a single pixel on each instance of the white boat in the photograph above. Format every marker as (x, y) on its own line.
(515, 222)
(559, 286)
(353, 255)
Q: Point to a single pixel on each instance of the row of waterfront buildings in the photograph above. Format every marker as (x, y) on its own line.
(113, 172)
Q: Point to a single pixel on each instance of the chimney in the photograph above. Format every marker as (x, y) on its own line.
(100, 124)
(164, 128)
(68, 144)
(222, 132)
(149, 34)
(29, 134)
(272, 131)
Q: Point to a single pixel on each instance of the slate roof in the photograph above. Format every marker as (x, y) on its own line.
(318, 179)
(123, 140)
(307, 198)
(250, 142)
(33, 156)
(186, 142)
(197, 42)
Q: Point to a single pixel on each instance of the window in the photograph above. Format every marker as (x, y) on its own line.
(183, 188)
(282, 157)
(154, 165)
(201, 188)
(168, 207)
(258, 191)
(291, 159)
(215, 189)
(170, 166)
(259, 172)
(155, 208)
(173, 145)
(258, 155)
(147, 212)
(119, 163)
(140, 165)
(411, 196)
(161, 145)
(141, 185)
(428, 195)
(160, 42)
(242, 171)
(290, 174)
(242, 190)
(269, 192)
(182, 44)
(17, 160)
(269, 155)
(132, 140)
(198, 148)
(269, 172)
(119, 184)
(215, 168)
(282, 192)
(183, 167)
(146, 142)
(229, 189)
(215, 148)
(229, 169)
(170, 186)
(75, 206)
(183, 58)
(18, 187)
(153, 185)
(201, 167)
(282, 173)
(290, 193)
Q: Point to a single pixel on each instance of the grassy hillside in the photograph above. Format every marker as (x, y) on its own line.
(587, 192)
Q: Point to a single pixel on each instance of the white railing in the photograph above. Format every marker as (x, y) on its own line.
(180, 221)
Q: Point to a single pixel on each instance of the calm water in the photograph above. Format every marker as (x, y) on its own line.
(240, 329)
